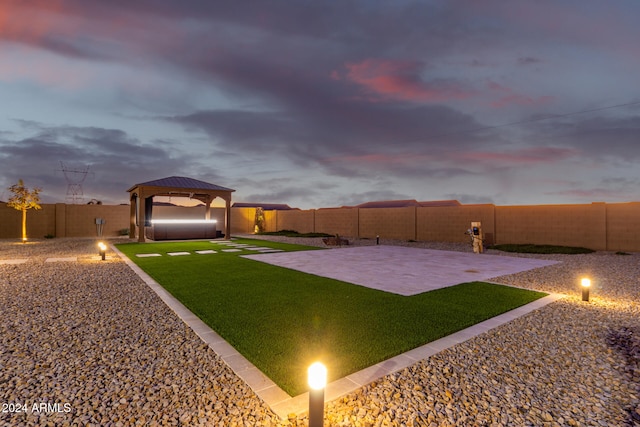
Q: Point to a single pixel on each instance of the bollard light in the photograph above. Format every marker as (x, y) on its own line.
(103, 250)
(317, 379)
(586, 284)
(377, 240)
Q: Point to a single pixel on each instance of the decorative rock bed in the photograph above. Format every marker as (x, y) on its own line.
(89, 343)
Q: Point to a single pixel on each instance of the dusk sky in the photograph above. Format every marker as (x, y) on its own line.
(325, 103)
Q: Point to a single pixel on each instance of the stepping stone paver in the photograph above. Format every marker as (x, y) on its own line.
(147, 255)
(208, 251)
(177, 253)
(13, 261)
(67, 259)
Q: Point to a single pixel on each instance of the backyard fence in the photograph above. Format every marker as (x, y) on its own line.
(600, 226)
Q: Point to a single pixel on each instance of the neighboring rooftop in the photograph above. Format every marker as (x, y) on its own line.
(265, 206)
(405, 203)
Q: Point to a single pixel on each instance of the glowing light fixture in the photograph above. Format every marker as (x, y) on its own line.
(317, 379)
(103, 249)
(183, 221)
(317, 376)
(586, 284)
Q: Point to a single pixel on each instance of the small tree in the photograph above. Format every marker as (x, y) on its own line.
(22, 200)
(259, 220)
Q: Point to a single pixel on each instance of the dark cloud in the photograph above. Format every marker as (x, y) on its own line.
(616, 188)
(528, 60)
(281, 190)
(342, 91)
(602, 137)
(339, 135)
(370, 196)
(114, 161)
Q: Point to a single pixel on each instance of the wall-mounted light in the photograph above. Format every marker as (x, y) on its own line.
(103, 249)
(317, 379)
(586, 284)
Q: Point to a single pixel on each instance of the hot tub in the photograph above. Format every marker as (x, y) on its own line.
(181, 229)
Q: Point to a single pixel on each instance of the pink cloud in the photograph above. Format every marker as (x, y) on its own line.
(377, 159)
(399, 80)
(28, 22)
(58, 43)
(523, 156)
(510, 97)
(86, 30)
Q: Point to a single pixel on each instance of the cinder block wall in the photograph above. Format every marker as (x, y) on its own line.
(179, 212)
(80, 220)
(597, 226)
(449, 223)
(61, 220)
(623, 221)
(340, 221)
(243, 220)
(570, 225)
(300, 221)
(391, 223)
(40, 222)
(271, 221)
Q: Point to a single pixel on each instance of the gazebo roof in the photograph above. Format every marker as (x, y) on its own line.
(181, 182)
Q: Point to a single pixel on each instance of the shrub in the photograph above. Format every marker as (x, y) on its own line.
(542, 249)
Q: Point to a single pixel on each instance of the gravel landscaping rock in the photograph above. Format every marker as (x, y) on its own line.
(88, 343)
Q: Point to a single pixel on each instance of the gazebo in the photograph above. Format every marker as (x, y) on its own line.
(141, 197)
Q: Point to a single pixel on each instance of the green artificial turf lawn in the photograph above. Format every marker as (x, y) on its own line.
(283, 320)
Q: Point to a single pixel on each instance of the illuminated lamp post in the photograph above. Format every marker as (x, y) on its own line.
(586, 284)
(317, 378)
(103, 250)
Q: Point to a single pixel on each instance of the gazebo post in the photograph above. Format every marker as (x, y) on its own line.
(227, 218)
(207, 210)
(132, 216)
(141, 217)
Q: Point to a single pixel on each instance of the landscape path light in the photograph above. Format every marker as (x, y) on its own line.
(317, 378)
(586, 284)
(103, 249)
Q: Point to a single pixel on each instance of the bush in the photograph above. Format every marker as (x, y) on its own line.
(541, 249)
(293, 233)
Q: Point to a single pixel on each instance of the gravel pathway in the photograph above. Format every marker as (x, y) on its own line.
(88, 343)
